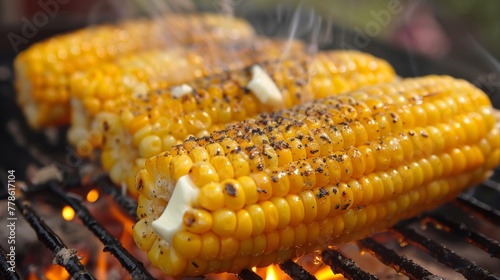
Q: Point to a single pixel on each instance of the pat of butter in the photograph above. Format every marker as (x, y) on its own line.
(170, 222)
(264, 87)
(181, 90)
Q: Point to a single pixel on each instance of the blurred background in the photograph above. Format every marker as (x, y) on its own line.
(457, 36)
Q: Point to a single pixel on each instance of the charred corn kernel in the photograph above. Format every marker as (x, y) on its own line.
(318, 198)
(120, 82)
(234, 195)
(44, 70)
(198, 221)
(209, 104)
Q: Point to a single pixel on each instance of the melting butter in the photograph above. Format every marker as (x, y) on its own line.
(264, 87)
(170, 222)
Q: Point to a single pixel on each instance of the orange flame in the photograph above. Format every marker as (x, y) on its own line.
(54, 271)
(271, 273)
(102, 266)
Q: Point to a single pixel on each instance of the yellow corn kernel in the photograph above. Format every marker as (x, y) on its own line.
(331, 189)
(203, 173)
(211, 196)
(197, 221)
(244, 226)
(211, 103)
(188, 244)
(44, 71)
(225, 222)
(150, 145)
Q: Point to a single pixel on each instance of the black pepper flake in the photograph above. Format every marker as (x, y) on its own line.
(334, 191)
(194, 264)
(230, 189)
(275, 179)
(260, 166)
(140, 184)
(259, 190)
(411, 133)
(337, 206)
(345, 206)
(325, 138)
(322, 193)
(424, 134)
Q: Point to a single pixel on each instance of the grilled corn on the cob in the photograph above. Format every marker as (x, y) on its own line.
(43, 71)
(156, 122)
(111, 86)
(288, 183)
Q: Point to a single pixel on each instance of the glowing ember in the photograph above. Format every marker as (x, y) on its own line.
(327, 273)
(57, 272)
(271, 273)
(92, 195)
(68, 213)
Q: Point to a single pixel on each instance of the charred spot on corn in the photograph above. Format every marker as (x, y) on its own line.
(230, 189)
(323, 195)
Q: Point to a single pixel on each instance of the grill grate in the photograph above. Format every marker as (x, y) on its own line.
(334, 258)
(63, 256)
(467, 268)
(390, 258)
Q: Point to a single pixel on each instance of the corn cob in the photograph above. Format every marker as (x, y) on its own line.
(43, 71)
(103, 89)
(329, 172)
(158, 121)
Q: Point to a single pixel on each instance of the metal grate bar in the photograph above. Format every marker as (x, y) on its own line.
(296, 271)
(484, 209)
(126, 203)
(478, 239)
(246, 274)
(399, 263)
(7, 273)
(444, 255)
(491, 184)
(63, 256)
(345, 266)
(111, 244)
